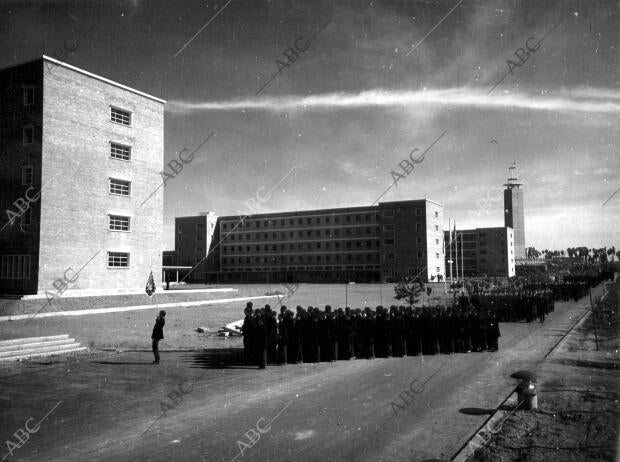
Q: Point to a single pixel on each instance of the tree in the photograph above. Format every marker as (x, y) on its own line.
(611, 251)
(409, 289)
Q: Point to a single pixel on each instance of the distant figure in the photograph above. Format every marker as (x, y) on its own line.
(158, 334)
(167, 281)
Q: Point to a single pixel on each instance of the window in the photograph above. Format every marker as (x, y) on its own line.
(418, 240)
(199, 226)
(28, 95)
(120, 187)
(420, 255)
(119, 151)
(388, 213)
(388, 227)
(119, 223)
(418, 212)
(118, 259)
(437, 255)
(437, 269)
(436, 227)
(27, 174)
(436, 241)
(119, 116)
(388, 241)
(199, 237)
(28, 134)
(15, 267)
(436, 214)
(418, 226)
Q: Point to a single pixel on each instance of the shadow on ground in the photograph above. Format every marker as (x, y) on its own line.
(217, 358)
(480, 411)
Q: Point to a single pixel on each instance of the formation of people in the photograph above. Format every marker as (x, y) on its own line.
(515, 305)
(471, 324)
(314, 334)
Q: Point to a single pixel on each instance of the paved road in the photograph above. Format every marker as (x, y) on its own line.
(111, 408)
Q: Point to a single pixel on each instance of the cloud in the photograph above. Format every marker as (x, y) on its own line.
(579, 100)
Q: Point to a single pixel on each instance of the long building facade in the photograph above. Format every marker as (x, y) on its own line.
(80, 195)
(356, 244)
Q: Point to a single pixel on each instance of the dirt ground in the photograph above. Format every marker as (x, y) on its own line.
(578, 398)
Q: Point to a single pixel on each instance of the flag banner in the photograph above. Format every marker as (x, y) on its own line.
(150, 285)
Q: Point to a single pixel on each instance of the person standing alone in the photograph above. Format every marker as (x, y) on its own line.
(158, 334)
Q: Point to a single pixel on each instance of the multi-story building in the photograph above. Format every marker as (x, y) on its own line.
(192, 240)
(514, 212)
(480, 252)
(383, 242)
(80, 183)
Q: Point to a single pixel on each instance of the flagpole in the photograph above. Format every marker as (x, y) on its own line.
(462, 265)
(456, 250)
(450, 248)
(445, 279)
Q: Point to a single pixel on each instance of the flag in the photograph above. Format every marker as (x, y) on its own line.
(150, 285)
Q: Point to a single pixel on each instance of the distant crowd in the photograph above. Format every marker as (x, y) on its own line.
(470, 325)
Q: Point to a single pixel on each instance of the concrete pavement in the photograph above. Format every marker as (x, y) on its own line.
(112, 408)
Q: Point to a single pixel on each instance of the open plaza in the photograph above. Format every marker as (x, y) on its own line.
(309, 231)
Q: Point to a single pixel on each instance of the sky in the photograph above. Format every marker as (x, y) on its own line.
(314, 104)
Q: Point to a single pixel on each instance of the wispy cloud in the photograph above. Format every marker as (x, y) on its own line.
(583, 100)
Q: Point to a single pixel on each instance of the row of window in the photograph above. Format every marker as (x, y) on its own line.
(327, 233)
(418, 213)
(119, 116)
(300, 246)
(301, 268)
(116, 222)
(282, 259)
(18, 266)
(258, 269)
(323, 219)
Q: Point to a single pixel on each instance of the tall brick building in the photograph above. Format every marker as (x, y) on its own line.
(80, 156)
(514, 212)
(362, 244)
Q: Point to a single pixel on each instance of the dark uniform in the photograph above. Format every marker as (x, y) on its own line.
(158, 334)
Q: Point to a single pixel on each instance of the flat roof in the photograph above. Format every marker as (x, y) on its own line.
(335, 210)
(103, 79)
(473, 230)
(413, 200)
